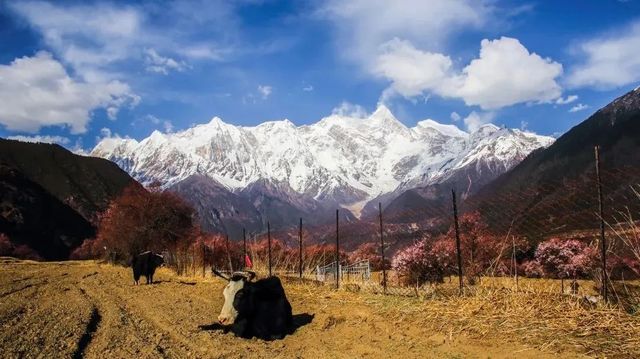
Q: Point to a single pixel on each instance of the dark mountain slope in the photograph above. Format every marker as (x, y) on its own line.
(86, 184)
(554, 190)
(30, 215)
(615, 128)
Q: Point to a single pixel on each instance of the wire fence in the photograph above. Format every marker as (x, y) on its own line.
(490, 234)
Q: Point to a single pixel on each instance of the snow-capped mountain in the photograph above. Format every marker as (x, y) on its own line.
(338, 161)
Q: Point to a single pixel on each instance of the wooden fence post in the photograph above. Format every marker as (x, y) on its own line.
(384, 271)
(603, 239)
(457, 229)
(269, 245)
(337, 251)
(300, 248)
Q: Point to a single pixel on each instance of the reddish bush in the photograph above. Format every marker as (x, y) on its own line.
(138, 220)
(532, 269)
(370, 252)
(6, 247)
(482, 251)
(89, 249)
(25, 252)
(420, 263)
(565, 258)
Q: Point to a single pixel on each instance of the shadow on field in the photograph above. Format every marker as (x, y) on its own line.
(299, 320)
(214, 326)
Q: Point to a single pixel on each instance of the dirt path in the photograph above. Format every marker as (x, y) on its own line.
(83, 309)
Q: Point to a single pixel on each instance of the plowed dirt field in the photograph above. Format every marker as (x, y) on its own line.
(86, 309)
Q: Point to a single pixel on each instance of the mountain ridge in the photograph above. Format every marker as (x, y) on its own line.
(339, 161)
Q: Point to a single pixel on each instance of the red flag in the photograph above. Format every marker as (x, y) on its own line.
(247, 261)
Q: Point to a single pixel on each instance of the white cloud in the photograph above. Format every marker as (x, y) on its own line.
(410, 70)
(609, 61)
(43, 139)
(567, 100)
(78, 149)
(265, 91)
(455, 117)
(153, 119)
(523, 125)
(94, 36)
(363, 25)
(36, 92)
(168, 126)
(476, 119)
(84, 36)
(160, 64)
(105, 132)
(504, 74)
(307, 88)
(578, 107)
(347, 109)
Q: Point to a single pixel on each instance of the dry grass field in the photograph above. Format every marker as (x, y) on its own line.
(87, 309)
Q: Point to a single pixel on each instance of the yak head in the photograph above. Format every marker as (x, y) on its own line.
(234, 293)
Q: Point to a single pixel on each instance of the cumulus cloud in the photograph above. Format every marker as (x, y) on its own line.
(161, 64)
(504, 74)
(363, 25)
(455, 117)
(36, 92)
(99, 34)
(307, 88)
(42, 139)
(265, 91)
(578, 107)
(609, 61)
(410, 70)
(476, 119)
(105, 132)
(168, 126)
(347, 109)
(567, 100)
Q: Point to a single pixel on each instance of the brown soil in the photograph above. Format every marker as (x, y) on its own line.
(85, 309)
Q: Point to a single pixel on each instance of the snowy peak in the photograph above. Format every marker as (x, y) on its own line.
(446, 130)
(340, 160)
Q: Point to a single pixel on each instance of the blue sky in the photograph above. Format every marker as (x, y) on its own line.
(73, 72)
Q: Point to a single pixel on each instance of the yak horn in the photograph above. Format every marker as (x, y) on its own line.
(247, 274)
(216, 272)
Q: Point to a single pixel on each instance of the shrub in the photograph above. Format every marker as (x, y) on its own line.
(23, 251)
(89, 249)
(532, 269)
(370, 252)
(565, 258)
(138, 220)
(419, 263)
(481, 250)
(6, 247)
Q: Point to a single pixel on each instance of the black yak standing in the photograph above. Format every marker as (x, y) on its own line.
(145, 264)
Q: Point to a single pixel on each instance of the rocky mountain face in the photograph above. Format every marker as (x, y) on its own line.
(491, 152)
(285, 171)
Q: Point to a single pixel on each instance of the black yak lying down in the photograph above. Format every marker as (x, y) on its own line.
(145, 264)
(255, 309)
